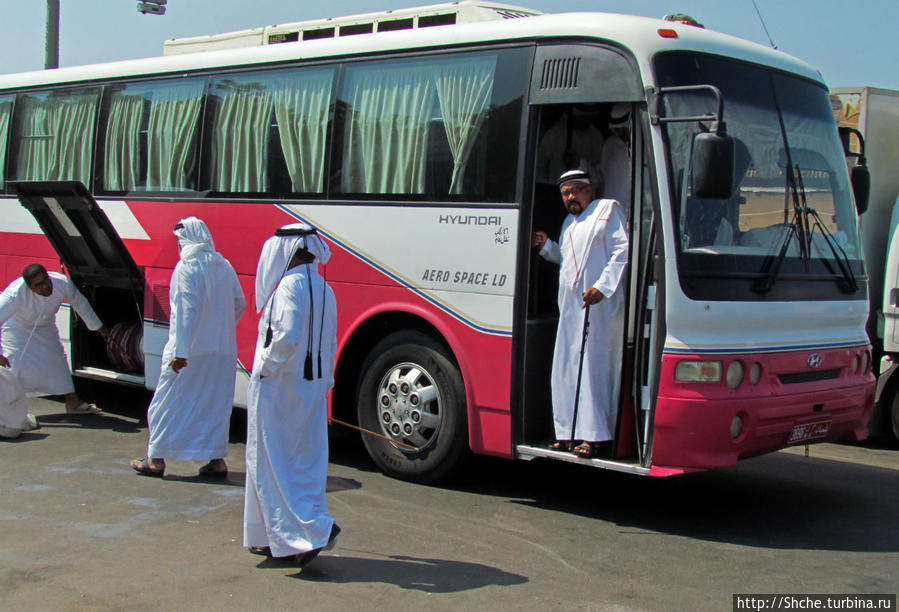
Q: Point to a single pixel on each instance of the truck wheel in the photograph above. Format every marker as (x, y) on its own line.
(411, 392)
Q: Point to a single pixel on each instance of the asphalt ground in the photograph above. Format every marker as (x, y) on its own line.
(82, 531)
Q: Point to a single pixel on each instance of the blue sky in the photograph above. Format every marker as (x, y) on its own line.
(852, 44)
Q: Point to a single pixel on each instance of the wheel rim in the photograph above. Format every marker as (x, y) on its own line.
(409, 405)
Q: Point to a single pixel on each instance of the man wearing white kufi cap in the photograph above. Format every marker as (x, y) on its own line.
(190, 411)
(592, 253)
(285, 509)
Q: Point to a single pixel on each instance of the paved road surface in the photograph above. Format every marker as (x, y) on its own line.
(82, 531)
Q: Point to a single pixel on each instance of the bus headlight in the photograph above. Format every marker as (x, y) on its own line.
(734, 374)
(755, 373)
(698, 371)
(855, 362)
(864, 367)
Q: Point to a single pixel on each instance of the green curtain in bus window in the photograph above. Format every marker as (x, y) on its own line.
(5, 114)
(172, 136)
(57, 137)
(240, 136)
(301, 109)
(388, 116)
(121, 161)
(464, 91)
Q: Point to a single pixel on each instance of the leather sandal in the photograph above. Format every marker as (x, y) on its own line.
(143, 467)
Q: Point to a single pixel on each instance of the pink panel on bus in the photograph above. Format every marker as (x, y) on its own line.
(693, 420)
(239, 231)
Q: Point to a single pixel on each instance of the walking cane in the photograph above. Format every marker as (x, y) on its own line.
(580, 369)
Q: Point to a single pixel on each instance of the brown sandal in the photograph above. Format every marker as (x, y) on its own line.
(587, 450)
(561, 445)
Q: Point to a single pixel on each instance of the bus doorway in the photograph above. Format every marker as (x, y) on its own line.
(596, 139)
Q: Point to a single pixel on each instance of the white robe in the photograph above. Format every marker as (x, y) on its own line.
(13, 405)
(287, 441)
(29, 336)
(593, 253)
(615, 168)
(190, 412)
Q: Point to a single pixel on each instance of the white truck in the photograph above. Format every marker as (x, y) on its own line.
(874, 113)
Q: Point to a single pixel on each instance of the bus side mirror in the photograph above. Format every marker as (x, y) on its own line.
(713, 166)
(860, 177)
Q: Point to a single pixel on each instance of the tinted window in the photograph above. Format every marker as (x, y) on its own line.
(5, 117)
(266, 132)
(150, 135)
(444, 127)
(792, 200)
(53, 135)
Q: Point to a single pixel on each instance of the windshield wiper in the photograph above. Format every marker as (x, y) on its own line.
(847, 281)
(803, 230)
(771, 265)
(798, 227)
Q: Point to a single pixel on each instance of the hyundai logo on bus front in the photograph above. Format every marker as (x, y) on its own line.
(814, 360)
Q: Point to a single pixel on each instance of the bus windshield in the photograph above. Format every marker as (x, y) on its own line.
(791, 215)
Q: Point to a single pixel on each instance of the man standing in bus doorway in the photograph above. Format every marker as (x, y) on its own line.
(592, 252)
(190, 412)
(285, 510)
(30, 339)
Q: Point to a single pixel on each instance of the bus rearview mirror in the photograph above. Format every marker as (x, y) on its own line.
(713, 166)
(860, 177)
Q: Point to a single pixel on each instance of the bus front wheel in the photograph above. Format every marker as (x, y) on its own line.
(411, 394)
(892, 416)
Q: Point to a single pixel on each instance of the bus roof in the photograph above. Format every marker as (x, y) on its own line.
(640, 35)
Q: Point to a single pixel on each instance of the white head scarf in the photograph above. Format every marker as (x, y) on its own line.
(196, 246)
(194, 240)
(277, 253)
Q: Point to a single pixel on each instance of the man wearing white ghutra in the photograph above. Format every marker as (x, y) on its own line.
(285, 510)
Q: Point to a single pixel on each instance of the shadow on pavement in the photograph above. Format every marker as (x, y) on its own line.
(777, 501)
(105, 420)
(235, 479)
(25, 436)
(414, 573)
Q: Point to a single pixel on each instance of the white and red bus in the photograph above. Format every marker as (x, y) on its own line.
(426, 157)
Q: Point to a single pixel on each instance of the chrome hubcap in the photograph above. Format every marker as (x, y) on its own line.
(409, 405)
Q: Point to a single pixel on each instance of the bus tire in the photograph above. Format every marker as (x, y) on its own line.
(412, 392)
(892, 413)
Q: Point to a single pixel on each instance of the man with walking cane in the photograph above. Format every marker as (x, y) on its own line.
(586, 374)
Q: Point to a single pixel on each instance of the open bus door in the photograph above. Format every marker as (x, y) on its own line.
(573, 91)
(100, 265)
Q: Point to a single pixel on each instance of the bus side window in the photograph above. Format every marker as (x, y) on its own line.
(6, 105)
(430, 128)
(267, 132)
(150, 136)
(53, 135)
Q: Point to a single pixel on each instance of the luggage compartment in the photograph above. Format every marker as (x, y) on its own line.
(100, 265)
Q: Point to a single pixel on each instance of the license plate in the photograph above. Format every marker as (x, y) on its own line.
(809, 431)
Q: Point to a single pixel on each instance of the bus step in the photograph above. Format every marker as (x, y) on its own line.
(109, 375)
(525, 452)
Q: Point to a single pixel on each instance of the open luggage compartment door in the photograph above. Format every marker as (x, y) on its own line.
(101, 267)
(81, 233)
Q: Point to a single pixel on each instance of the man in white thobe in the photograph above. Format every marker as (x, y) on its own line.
(592, 252)
(285, 510)
(615, 163)
(14, 416)
(190, 412)
(29, 340)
